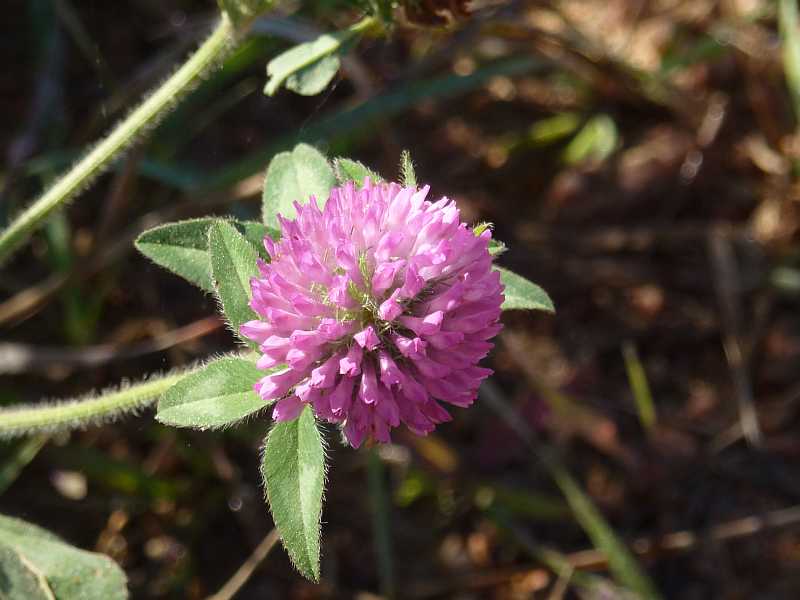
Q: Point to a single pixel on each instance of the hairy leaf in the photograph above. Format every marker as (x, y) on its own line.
(69, 573)
(294, 177)
(233, 264)
(309, 67)
(523, 294)
(19, 578)
(311, 80)
(294, 474)
(182, 247)
(219, 395)
(352, 170)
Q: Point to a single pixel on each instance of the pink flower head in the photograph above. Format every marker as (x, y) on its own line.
(377, 308)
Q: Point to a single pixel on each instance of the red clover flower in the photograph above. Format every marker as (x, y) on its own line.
(380, 306)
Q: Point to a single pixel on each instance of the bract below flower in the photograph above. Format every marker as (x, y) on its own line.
(379, 307)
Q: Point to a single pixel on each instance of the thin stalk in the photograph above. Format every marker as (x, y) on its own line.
(381, 526)
(80, 413)
(207, 56)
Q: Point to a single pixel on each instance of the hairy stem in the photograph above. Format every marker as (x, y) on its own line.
(80, 413)
(207, 56)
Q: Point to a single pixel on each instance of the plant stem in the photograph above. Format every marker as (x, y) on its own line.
(207, 56)
(381, 526)
(75, 414)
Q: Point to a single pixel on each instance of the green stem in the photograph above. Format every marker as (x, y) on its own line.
(381, 526)
(76, 414)
(207, 56)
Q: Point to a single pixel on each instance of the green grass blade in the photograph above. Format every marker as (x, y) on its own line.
(366, 115)
(21, 456)
(637, 379)
(790, 36)
(621, 562)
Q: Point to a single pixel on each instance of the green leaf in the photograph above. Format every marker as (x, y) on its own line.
(352, 170)
(255, 232)
(523, 294)
(182, 247)
(309, 67)
(20, 579)
(217, 396)
(294, 475)
(311, 80)
(233, 264)
(596, 141)
(295, 176)
(305, 56)
(69, 573)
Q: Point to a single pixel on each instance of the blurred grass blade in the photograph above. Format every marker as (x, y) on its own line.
(596, 141)
(21, 456)
(790, 36)
(522, 503)
(786, 279)
(637, 378)
(553, 129)
(366, 115)
(586, 585)
(621, 562)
